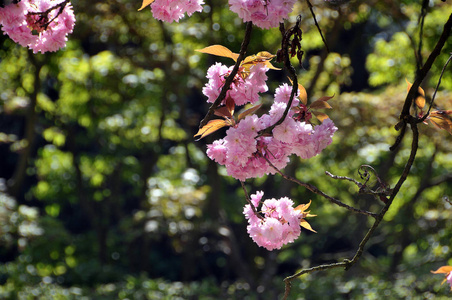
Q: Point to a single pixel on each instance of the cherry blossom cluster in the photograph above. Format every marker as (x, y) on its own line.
(174, 10)
(245, 155)
(242, 90)
(263, 13)
(277, 223)
(41, 25)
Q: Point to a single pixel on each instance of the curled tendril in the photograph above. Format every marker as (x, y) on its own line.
(381, 189)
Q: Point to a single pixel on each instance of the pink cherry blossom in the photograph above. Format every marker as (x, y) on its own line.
(174, 10)
(263, 13)
(242, 90)
(449, 279)
(20, 20)
(276, 223)
(247, 156)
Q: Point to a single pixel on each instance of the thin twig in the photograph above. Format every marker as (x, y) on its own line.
(315, 190)
(405, 114)
(284, 51)
(445, 198)
(436, 89)
(289, 279)
(421, 32)
(61, 5)
(247, 197)
(230, 78)
(359, 184)
(317, 25)
(406, 171)
(406, 119)
(347, 264)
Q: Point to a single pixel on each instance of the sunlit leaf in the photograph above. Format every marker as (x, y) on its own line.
(320, 104)
(302, 95)
(258, 58)
(420, 100)
(261, 57)
(320, 116)
(249, 111)
(442, 119)
(145, 3)
(443, 269)
(265, 55)
(219, 51)
(270, 66)
(303, 207)
(303, 223)
(211, 127)
(306, 225)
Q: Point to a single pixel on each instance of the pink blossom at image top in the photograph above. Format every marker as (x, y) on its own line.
(263, 13)
(174, 10)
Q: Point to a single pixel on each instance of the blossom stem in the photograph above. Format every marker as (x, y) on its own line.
(61, 5)
(284, 52)
(247, 197)
(230, 78)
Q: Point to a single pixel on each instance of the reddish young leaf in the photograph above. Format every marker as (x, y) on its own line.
(223, 112)
(145, 3)
(219, 51)
(230, 105)
(325, 98)
(320, 104)
(420, 100)
(249, 111)
(211, 127)
(441, 119)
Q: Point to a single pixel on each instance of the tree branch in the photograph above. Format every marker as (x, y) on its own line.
(230, 78)
(436, 90)
(419, 78)
(315, 190)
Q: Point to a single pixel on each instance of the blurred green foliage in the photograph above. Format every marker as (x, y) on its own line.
(105, 195)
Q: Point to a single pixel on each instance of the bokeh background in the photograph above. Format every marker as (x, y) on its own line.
(104, 194)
